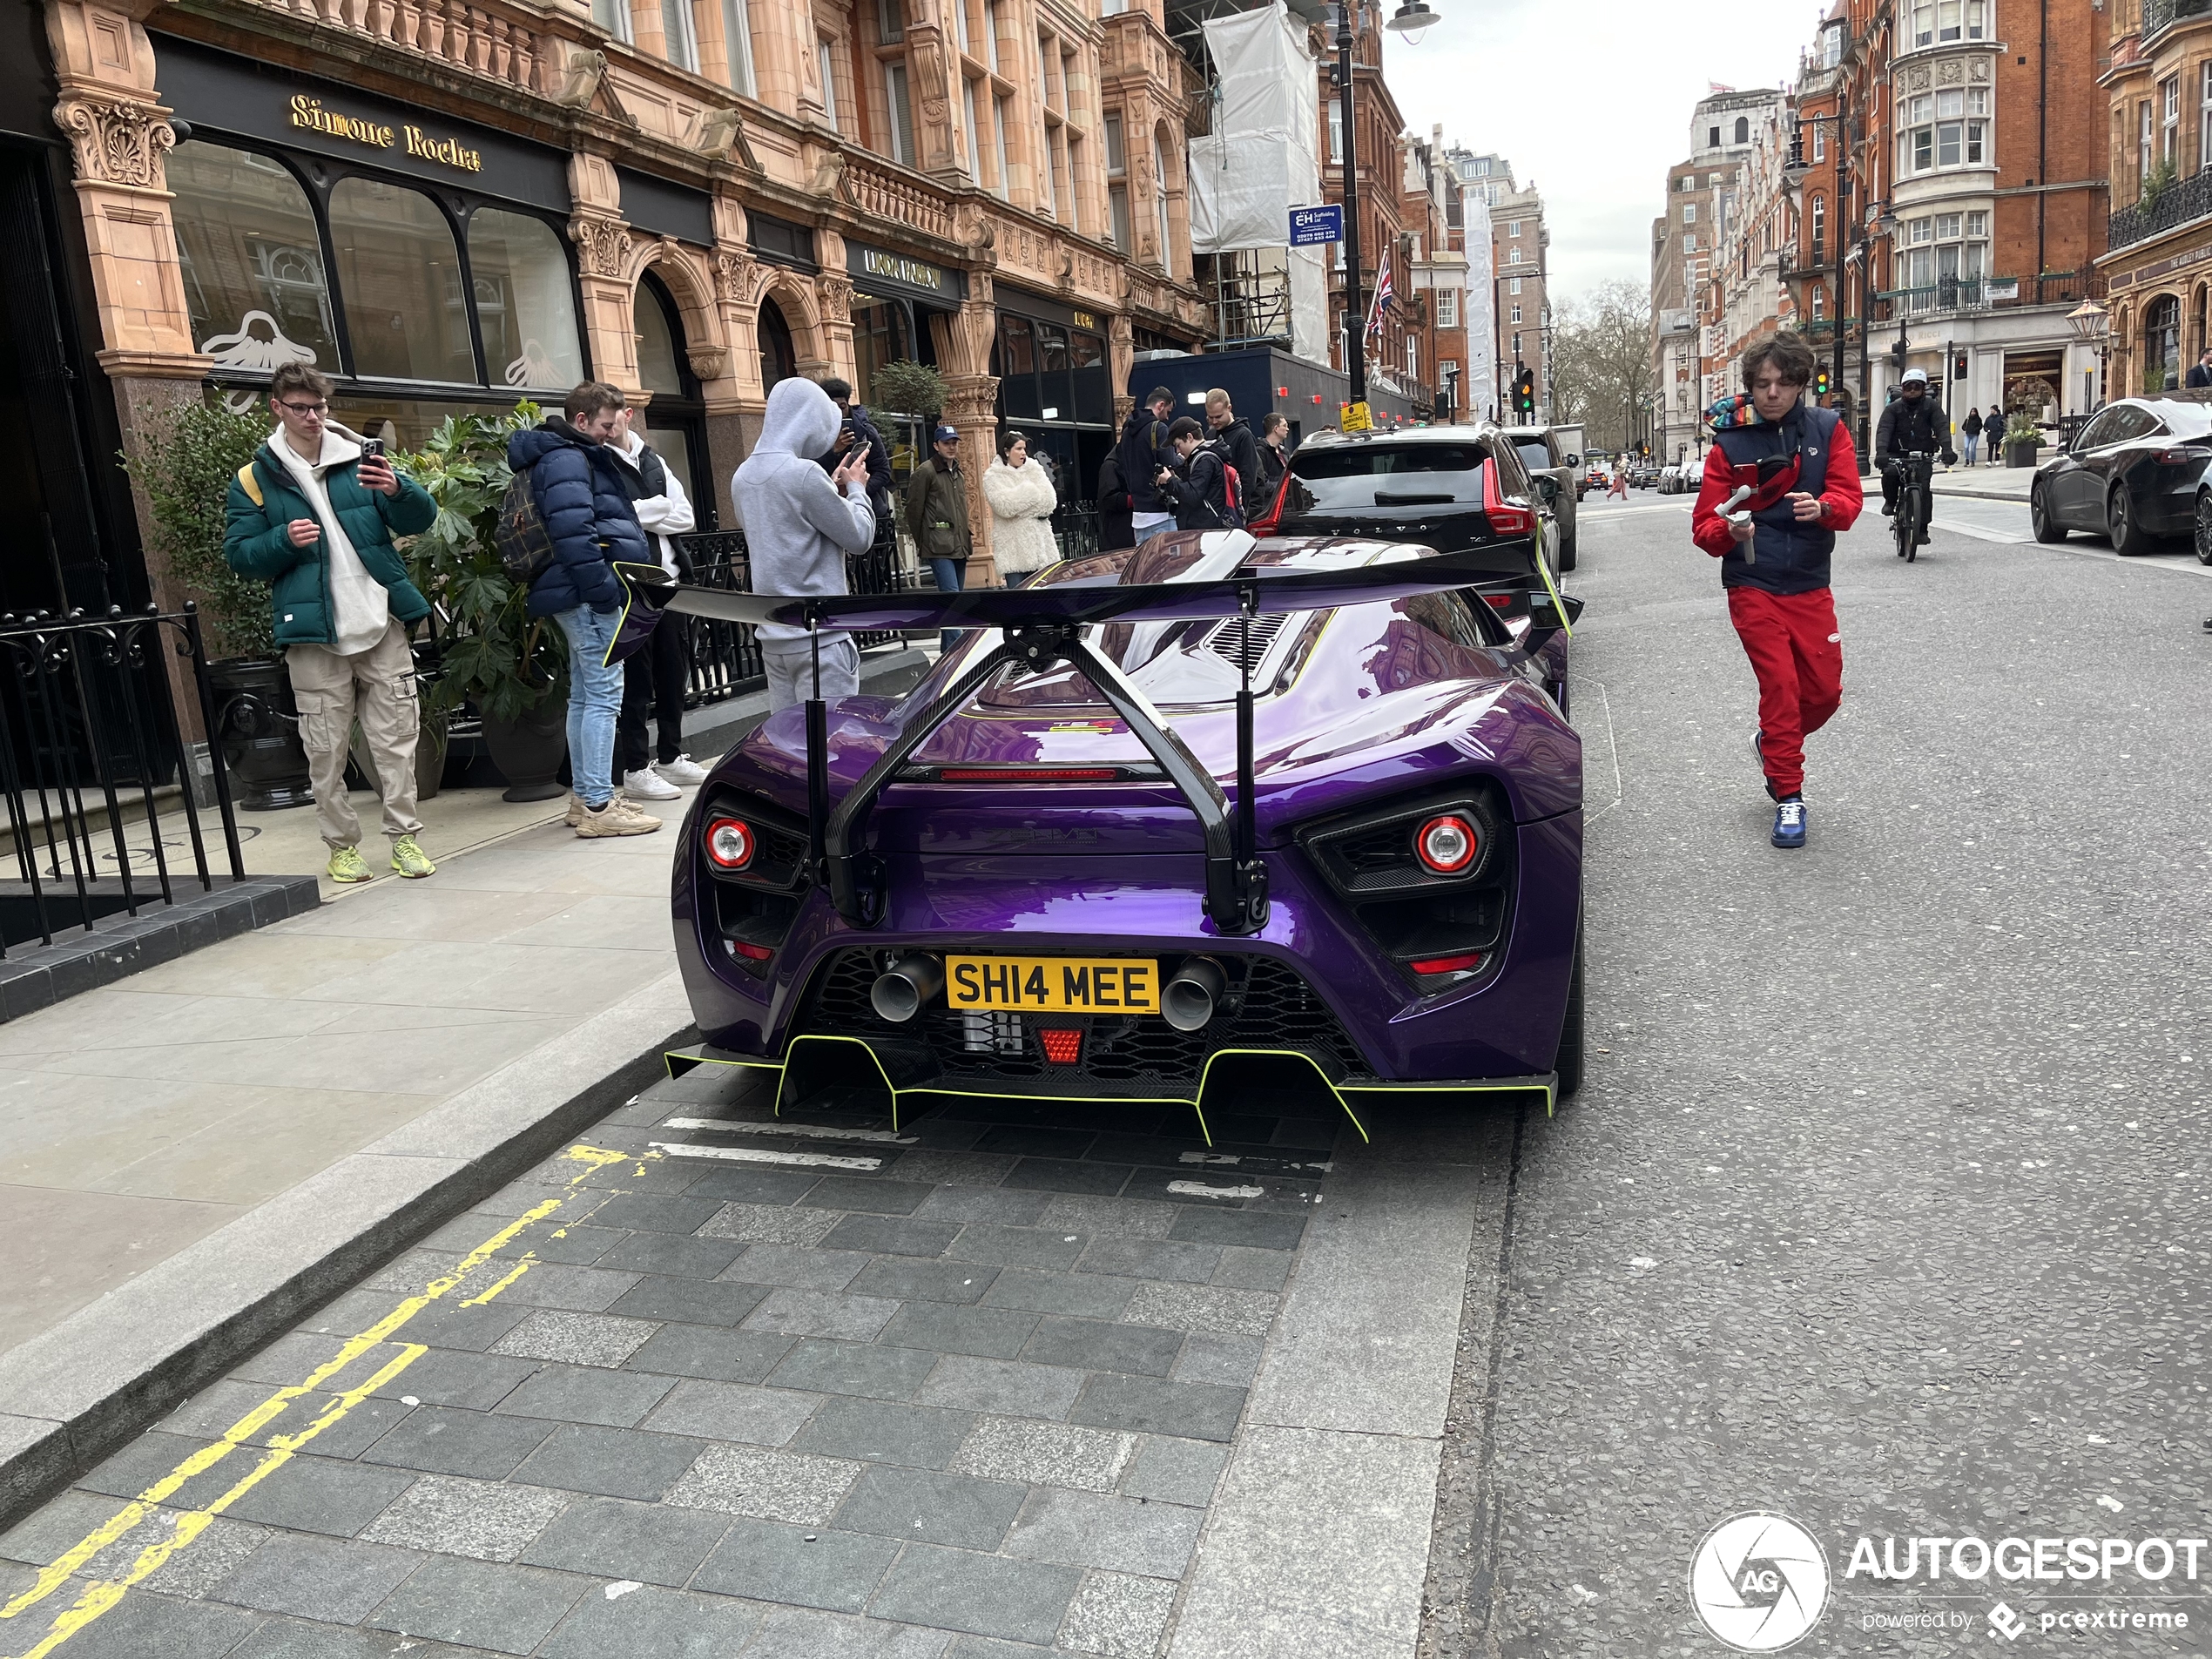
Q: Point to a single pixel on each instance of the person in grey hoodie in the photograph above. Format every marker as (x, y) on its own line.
(799, 523)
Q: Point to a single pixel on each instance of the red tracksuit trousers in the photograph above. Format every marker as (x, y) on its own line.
(1797, 654)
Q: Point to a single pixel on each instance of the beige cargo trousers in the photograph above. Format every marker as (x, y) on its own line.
(376, 686)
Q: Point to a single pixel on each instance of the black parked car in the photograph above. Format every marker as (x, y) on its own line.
(2134, 474)
(1451, 488)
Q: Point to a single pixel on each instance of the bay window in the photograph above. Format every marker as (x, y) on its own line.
(1946, 129)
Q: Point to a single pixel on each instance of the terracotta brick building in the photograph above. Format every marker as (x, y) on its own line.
(449, 205)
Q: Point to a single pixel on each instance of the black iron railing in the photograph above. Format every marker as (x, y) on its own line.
(725, 660)
(92, 762)
(2176, 204)
(2159, 15)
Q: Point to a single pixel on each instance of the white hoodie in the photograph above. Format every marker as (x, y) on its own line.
(798, 528)
(360, 607)
(661, 517)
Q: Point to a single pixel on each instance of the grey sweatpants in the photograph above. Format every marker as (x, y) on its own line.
(790, 664)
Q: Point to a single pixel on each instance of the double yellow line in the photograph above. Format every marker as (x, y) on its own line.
(102, 1594)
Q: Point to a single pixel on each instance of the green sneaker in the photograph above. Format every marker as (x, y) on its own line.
(346, 866)
(409, 860)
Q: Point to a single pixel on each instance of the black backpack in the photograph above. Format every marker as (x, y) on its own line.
(525, 549)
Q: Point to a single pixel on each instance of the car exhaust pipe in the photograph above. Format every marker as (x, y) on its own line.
(900, 990)
(1187, 1001)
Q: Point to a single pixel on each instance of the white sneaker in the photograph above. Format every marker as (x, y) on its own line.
(683, 770)
(649, 786)
(617, 817)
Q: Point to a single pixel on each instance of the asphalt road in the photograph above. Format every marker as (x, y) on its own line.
(1884, 1206)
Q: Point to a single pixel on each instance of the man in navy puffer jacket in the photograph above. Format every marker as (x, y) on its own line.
(577, 482)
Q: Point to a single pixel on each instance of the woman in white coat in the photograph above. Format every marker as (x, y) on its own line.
(1023, 499)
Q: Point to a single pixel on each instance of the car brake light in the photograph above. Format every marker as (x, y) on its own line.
(1498, 601)
(1447, 845)
(729, 843)
(1029, 774)
(1464, 964)
(1505, 519)
(2179, 457)
(1265, 523)
(1061, 1047)
(751, 953)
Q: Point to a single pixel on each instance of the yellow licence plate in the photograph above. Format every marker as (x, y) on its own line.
(1054, 984)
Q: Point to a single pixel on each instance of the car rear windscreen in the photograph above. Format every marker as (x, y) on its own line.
(1412, 474)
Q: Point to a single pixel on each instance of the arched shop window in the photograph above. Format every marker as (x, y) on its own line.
(674, 414)
(2162, 344)
(879, 336)
(658, 370)
(778, 358)
(399, 274)
(252, 258)
(525, 303)
(421, 306)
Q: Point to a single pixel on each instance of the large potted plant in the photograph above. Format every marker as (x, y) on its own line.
(186, 472)
(2024, 407)
(511, 665)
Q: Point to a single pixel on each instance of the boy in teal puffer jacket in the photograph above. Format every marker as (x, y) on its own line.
(315, 519)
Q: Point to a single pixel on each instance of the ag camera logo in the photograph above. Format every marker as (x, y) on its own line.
(1759, 1582)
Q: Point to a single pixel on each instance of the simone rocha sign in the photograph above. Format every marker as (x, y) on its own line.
(308, 112)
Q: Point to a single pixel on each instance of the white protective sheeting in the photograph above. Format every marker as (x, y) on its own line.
(1261, 158)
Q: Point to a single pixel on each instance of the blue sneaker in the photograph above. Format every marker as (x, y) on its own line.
(1789, 823)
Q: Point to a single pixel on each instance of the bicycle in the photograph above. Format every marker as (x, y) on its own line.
(1910, 525)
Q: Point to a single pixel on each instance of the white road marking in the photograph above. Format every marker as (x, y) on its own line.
(1200, 1189)
(1322, 1164)
(812, 1131)
(757, 1155)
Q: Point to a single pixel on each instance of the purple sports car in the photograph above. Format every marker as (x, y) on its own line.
(1161, 818)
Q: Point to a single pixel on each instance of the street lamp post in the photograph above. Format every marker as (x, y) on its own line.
(1411, 17)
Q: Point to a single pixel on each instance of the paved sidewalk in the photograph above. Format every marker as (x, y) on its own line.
(1992, 484)
(1013, 1381)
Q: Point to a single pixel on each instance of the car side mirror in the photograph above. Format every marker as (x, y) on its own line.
(1549, 488)
(1546, 618)
(1574, 460)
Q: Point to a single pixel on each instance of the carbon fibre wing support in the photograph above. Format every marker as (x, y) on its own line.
(1236, 896)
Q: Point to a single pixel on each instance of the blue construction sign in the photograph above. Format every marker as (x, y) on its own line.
(1312, 225)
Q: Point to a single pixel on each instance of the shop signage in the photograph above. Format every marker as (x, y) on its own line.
(876, 267)
(2152, 272)
(308, 113)
(1086, 320)
(1310, 226)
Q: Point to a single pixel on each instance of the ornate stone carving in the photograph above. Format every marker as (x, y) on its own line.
(1978, 69)
(739, 280)
(1952, 73)
(118, 141)
(1917, 78)
(709, 362)
(974, 228)
(576, 81)
(602, 245)
(835, 294)
(829, 172)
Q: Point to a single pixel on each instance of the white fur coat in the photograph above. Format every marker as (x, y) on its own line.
(1022, 501)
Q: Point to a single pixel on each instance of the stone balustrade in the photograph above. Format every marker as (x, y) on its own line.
(883, 193)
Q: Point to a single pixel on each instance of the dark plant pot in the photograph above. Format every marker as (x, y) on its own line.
(259, 726)
(2020, 452)
(529, 752)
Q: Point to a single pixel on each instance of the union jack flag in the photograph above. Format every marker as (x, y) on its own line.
(1385, 295)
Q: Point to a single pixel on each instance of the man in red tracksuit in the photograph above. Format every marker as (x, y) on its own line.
(1803, 473)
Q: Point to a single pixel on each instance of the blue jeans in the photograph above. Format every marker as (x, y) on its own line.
(951, 575)
(1972, 438)
(595, 701)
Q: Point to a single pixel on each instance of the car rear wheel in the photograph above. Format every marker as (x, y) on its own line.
(2202, 537)
(2048, 528)
(1569, 1060)
(2125, 526)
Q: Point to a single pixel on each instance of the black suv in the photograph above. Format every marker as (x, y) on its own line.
(1453, 488)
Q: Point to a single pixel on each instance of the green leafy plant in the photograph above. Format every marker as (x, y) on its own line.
(909, 389)
(494, 653)
(2158, 181)
(186, 474)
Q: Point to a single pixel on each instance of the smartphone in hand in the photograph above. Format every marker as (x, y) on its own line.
(372, 449)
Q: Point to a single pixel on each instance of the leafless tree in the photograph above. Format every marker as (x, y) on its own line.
(1602, 363)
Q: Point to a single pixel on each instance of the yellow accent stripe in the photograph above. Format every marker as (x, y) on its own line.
(1544, 569)
(97, 1598)
(249, 483)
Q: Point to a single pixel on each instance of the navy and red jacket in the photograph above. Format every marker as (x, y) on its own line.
(1792, 557)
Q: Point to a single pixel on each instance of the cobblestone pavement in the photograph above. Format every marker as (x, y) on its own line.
(705, 1386)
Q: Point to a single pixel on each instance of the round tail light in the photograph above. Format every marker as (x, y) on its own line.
(1447, 845)
(729, 843)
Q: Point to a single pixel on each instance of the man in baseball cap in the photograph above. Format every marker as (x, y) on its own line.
(1914, 421)
(937, 516)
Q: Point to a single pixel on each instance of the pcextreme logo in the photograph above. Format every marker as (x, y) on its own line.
(1759, 1582)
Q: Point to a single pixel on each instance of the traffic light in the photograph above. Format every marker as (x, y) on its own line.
(1958, 367)
(1820, 384)
(1524, 392)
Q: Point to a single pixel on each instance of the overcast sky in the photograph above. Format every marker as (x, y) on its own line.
(1592, 101)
